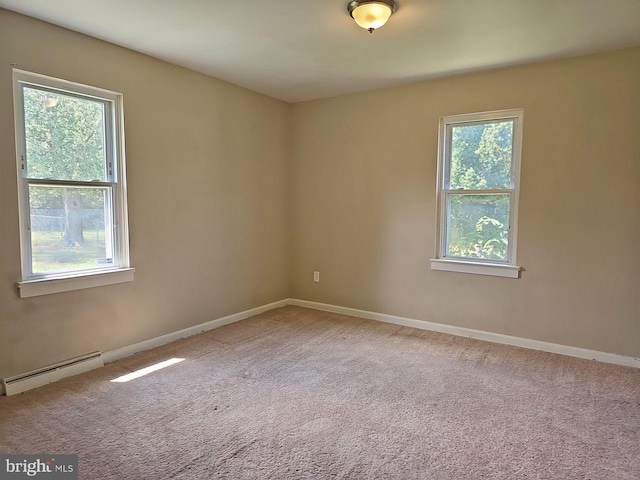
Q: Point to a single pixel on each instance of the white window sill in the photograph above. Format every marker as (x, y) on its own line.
(66, 283)
(494, 269)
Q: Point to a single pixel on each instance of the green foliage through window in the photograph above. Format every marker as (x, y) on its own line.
(479, 226)
(480, 160)
(65, 138)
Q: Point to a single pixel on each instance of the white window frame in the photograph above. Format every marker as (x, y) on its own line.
(508, 268)
(120, 271)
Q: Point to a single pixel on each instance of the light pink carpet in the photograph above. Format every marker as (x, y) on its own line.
(297, 393)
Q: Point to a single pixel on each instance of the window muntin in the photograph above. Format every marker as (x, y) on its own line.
(73, 217)
(478, 187)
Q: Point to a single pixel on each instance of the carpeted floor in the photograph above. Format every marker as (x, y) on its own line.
(298, 393)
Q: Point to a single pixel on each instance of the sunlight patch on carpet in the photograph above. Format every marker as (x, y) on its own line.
(147, 370)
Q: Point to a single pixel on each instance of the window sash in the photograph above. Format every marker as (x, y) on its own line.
(109, 121)
(111, 246)
(118, 257)
(444, 243)
(446, 182)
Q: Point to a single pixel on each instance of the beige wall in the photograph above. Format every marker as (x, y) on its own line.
(363, 199)
(235, 198)
(207, 178)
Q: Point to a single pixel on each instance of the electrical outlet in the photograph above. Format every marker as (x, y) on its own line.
(316, 277)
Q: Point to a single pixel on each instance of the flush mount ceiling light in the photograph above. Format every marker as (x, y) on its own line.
(371, 15)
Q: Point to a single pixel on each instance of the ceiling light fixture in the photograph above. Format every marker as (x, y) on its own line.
(371, 15)
(50, 102)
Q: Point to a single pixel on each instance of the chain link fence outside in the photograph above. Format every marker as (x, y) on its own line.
(55, 219)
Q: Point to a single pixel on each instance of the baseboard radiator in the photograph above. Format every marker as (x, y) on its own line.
(51, 373)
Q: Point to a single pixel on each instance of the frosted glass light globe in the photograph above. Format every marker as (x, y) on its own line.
(371, 15)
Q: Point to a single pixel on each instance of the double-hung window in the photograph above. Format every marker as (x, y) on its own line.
(477, 193)
(71, 185)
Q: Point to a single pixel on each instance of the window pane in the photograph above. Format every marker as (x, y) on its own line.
(68, 228)
(65, 137)
(481, 155)
(478, 226)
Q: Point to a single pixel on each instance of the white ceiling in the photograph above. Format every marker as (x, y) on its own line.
(299, 50)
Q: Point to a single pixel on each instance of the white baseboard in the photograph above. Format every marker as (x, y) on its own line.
(112, 355)
(477, 334)
(55, 372)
